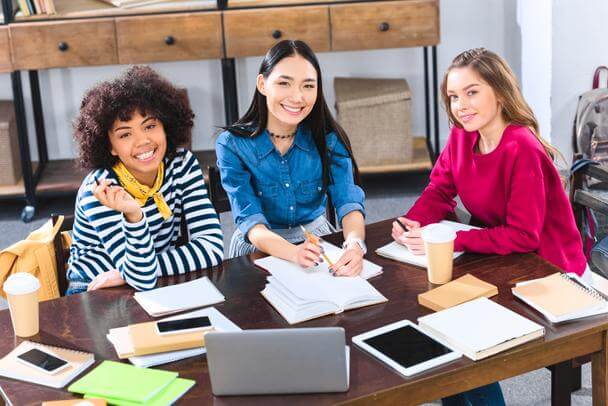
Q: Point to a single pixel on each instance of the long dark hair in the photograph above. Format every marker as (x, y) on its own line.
(319, 121)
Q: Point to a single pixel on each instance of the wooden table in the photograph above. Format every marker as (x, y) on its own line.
(82, 321)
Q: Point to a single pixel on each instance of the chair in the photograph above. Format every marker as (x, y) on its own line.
(62, 253)
(217, 194)
(581, 199)
(220, 201)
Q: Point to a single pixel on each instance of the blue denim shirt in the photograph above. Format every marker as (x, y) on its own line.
(284, 191)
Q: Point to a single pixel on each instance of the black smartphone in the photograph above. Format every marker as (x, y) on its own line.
(183, 325)
(42, 361)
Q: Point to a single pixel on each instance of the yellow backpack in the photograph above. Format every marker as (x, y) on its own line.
(35, 255)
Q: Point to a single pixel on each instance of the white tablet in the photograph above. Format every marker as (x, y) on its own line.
(405, 347)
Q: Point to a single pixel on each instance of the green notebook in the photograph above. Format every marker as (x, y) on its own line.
(167, 396)
(123, 381)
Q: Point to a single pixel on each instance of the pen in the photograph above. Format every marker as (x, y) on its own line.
(401, 225)
(315, 240)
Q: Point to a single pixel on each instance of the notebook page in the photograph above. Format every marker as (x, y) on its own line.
(400, 253)
(557, 296)
(479, 324)
(318, 285)
(334, 253)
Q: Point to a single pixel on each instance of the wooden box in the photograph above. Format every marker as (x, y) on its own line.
(10, 163)
(375, 113)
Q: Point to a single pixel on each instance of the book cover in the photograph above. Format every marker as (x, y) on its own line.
(458, 291)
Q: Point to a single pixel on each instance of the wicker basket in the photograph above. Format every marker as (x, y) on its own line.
(10, 163)
(375, 113)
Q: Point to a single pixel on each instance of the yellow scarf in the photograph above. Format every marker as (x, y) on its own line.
(142, 193)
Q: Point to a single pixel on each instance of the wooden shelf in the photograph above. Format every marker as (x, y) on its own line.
(266, 3)
(96, 8)
(62, 177)
(420, 162)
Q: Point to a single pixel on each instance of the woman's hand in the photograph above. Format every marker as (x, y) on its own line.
(350, 263)
(116, 198)
(411, 239)
(308, 254)
(107, 279)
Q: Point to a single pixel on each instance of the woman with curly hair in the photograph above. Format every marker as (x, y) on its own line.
(281, 160)
(130, 206)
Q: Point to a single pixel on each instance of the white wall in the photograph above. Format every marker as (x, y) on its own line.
(579, 45)
(464, 24)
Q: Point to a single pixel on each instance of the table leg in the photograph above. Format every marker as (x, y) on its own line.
(561, 383)
(599, 368)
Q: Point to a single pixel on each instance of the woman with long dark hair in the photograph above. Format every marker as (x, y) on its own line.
(280, 160)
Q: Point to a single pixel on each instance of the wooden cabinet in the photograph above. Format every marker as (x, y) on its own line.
(253, 32)
(387, 24)
(5, 51)
(62, 44)
(169, 37)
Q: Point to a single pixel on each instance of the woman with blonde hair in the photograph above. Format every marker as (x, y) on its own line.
(503, 171)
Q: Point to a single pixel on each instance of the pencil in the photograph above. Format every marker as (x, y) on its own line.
(315, 240)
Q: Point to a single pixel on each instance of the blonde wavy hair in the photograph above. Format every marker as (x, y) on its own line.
(495, 71)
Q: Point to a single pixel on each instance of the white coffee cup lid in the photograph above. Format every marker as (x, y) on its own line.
(438, 233)
(21, 283)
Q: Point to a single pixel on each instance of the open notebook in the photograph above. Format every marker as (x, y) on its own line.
(481, 328)
(334, 253)
(400, 253)
(11, 368)
(561, 297)
(300, 294)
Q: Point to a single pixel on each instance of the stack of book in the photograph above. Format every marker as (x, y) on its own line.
(144, 347)
(143, 3)
(36, 7)
(123, 384)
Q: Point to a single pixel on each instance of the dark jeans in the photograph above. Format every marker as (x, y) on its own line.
(489, 395)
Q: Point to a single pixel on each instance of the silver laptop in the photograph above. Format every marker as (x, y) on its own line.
(300, 360)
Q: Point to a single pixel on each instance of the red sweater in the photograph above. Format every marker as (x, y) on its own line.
(515, 191)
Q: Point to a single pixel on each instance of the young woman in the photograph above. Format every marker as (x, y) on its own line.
(140, 188)
(279, 161)
(502, 170)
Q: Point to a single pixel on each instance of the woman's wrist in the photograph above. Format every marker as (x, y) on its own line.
(134, 217)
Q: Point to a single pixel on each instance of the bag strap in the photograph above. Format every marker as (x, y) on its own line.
(596, 76)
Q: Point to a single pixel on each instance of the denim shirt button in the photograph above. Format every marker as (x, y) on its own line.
(259, 193)
(290, 207)
(287, 185)
(319, 188)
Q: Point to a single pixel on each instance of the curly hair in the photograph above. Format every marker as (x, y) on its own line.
(141, 89)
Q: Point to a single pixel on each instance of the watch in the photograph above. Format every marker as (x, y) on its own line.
(357, 241)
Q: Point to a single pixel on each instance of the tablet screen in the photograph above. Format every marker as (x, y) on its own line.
(407, 346)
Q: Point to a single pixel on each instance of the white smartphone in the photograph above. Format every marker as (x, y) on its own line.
(42, 361)
(178, 326)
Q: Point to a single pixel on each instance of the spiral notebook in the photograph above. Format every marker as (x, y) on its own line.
(11, 368)
(561, 297)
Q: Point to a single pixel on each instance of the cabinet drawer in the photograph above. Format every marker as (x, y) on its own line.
(5, 51)
(63, 43)
(389, 24)
(169, 37)
(253, 32)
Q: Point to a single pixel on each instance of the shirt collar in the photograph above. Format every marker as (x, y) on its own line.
(264, 145)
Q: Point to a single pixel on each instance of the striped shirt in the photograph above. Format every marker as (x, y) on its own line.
(104, 240)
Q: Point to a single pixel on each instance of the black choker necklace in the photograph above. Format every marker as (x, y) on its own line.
(280, 136)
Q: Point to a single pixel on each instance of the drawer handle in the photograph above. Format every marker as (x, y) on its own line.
(276, 34)
(384, 26)
(169, 40)
(62, 46)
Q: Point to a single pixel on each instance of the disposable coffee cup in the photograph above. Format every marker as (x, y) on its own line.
(439, 246)
(22, 294)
